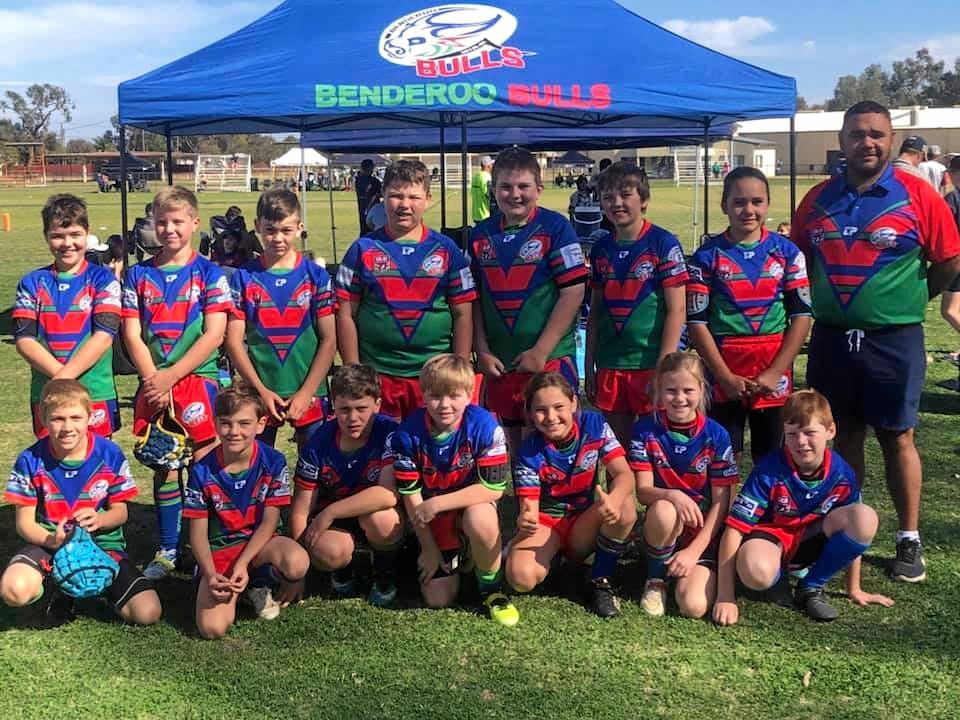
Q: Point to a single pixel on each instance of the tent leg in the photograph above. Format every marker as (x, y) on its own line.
(169, 159)
(706, 180)
(696, 199)
(303, 192)
(333, 218)
(123, 191)
(443, 173)
(793, 165)
(464, 188)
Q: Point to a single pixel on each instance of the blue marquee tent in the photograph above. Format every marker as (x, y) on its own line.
(310, 64)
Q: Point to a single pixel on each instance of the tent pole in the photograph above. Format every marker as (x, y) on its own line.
(793, 165)
(123, 191)
(333, 219)
(443, 173)
(303, 191)
(169, 158)
(696, 196)
(464, 188)
(706, 178)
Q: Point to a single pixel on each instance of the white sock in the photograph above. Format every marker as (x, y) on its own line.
(908, 535)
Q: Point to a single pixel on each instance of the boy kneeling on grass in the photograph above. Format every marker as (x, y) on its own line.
(800, 508)
(451, 466)
(72, 477)
(233, 500)
(344, 488)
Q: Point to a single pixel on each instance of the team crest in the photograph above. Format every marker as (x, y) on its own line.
(827, 505)
(816, 235)
(193, 294)
(644, 270)
(589, 460)
(725, 272)
(485, 251)
(531, 251)
(381, 263)
(776, 270)
(702, 464)
(303, 299)
(883, 238)
(194, 414)
(98, 491)
(433, 265)
(217, 500)
(85, 303)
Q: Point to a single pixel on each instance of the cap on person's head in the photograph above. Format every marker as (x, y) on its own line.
(486, 160)
(954, 164)
(94, 244)
(914, 143)
(933, 150)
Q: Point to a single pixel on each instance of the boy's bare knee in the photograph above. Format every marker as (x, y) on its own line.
(524, 577)
(18, 591)
(212, 630)
(756, 573)
(691, 606)
(143, 609)
(661, 515)
(439, 595)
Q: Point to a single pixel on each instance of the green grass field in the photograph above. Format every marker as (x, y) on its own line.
(343, 659)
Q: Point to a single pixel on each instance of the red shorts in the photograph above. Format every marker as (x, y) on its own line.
(624, 391)
(317, 411)
(788, 539)
(400, 396)
(225, 559)
(104, 418)
(193, 399)
(750, 355)
(446, 529)
(562, 526)
(505, 393)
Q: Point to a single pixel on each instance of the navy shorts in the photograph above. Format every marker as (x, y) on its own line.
(874, 376)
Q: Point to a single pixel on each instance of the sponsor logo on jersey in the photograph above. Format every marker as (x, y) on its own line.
(98, 491)
(572, 255)
(85, 303)
(776, 270)
(433, 265)
(194, 414)
(850, 231)
(783, 386)
(698, 302)
(279, 282)
(644, 270)
(531, 251)
(217, 500)
(744, 506)
(702, 464)
(884, 238)
(451, 40)
(828, 504)
(303, 299)
(63, 287)
(589, 460)
(638, 449)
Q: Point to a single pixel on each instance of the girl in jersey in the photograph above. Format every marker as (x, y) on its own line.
(748, 313)
(684, 470)
(562, 505)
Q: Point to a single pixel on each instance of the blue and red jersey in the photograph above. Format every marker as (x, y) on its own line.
(631, 276)
(234, 502)
(867, 251)
(171, 303)
(334, 474)
(282, 309)
(67, 308)
(431, 466)
(695, 461)
(404, 290)
(520, 271)
(776, 496)
(59, 488)
(563, 479)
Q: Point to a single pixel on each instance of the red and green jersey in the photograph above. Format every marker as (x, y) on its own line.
(747, 288)
(59, 488)
(171, 302)
(234, 503)
(282, 309)
(520, 272)
(404, 290)
(631, 276)
(66, 309)
(867, 252)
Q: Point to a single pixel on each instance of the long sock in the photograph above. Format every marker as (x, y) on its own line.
(608, 551)
(168, 499)
(489, 582)
(657, 560)
(839, 551)
(385, 559)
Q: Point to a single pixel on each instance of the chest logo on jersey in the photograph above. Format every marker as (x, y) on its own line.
(816, 235)
(775, 269)
(63, 287)
(589, 460)
(98, 491)
(724, 272)
(432, 265)
(884, 238)
(217, 500)
(485, 251)
(280, 282)
(828, 504)
(850, 231)
(531, 251)
(303, 299)
(381, 262)
(702, 464)
(643, 270)
(408, 250)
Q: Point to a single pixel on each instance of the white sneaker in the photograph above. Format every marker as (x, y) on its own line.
(160, 567)
(261, 598)
(654, 598)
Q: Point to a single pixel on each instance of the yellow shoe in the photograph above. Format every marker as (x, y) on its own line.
(501, 609)
(654, 598)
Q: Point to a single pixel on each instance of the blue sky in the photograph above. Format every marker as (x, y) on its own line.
(815, 41)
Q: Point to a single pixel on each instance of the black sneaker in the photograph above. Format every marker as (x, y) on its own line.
(780, 593)
(60, 609)
(604, 601)
(909, 565)
(813, 602)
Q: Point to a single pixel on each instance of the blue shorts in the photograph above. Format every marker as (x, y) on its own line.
(874, 376)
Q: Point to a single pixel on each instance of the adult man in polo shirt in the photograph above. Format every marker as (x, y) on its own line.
(912, 152)
(868, 235)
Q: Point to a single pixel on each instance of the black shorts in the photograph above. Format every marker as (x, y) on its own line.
(765, 427)
(874, 376)
(129, 581)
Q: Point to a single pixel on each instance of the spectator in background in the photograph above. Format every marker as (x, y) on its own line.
(933, 169)
(911, 155)
(369, 191)
(480, 190)
(581, 197)
(950, 302)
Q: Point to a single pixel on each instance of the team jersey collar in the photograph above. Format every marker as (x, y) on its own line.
(253, 457)
(530, 218)
(764, 234)
(424, 231)
(640, 235)
(82, 268)
(827, 461)
(155, 261)
(428, 423)
(296, 263)
(699, 423)
(576, 436)
(880, 186)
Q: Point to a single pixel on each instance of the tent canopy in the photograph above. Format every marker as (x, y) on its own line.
(291, 158)
(354, 159)
(314, 64)
(572, 157)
